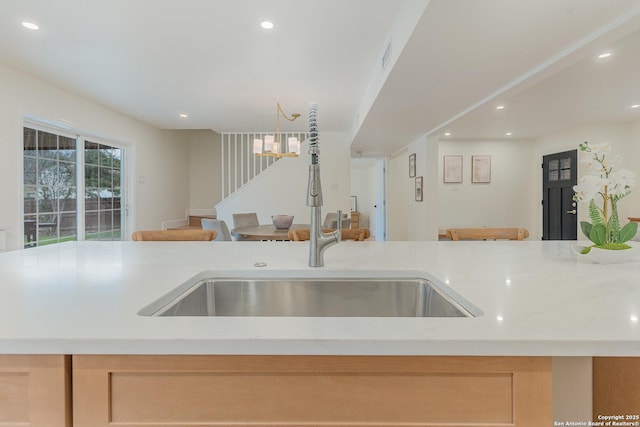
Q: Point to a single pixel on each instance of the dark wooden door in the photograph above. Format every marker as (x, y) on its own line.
(559, 211)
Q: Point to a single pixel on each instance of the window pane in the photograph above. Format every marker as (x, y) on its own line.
(29, 230)
(106, 201)
(29, 136)
(117, 157)
(47, 145)
(117, 220)
(30, 170)
(47, 200)
(47, 229)
(91, 200)
(30, 200)
(67, 174)
(117, 202)
(68, 226)
(116, 178)
(91, 176)
(90, 223)
(553, 175)
(91, 152)
(106, 178)
(565, 174)
(67, 149)
(565, 163)
(67, 199)
(553, 165)
(47, 172)
(106, 221)
(105, 156)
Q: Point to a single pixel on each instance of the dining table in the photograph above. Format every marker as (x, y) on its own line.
(265, 232)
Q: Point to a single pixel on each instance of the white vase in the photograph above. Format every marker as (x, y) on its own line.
(608, 256)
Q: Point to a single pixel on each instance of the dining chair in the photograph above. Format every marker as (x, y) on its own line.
(245, 219)
(219, 225)
(331, 220)
(173, 235)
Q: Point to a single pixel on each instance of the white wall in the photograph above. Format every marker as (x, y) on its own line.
(282, 189)
(205, 181)
(363, 187)
(155, 157)
(399, 196)
(503, 202)
(408, 219)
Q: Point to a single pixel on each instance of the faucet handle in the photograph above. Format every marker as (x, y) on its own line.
(339, 224)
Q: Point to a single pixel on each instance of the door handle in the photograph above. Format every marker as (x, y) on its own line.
(573, 212)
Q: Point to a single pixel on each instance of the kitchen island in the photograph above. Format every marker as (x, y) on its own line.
(79, 301)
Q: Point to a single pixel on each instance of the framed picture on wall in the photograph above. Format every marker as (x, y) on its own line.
(418, 189)
(412, 165)
(480, 169)
(452, 169)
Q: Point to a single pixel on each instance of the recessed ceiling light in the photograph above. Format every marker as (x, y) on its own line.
(267, 25)
(635, 106)
(30, 25)
(500, 107)
(447, 134)
(184, 116)
(508, 133)
(604, 55)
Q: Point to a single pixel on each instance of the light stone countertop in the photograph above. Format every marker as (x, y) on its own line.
(537, 298)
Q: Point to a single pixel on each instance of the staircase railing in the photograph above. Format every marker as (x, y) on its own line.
(239, 164)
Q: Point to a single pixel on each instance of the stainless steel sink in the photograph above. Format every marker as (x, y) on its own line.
(312, 297)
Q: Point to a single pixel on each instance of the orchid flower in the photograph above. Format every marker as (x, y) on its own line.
(602, 189)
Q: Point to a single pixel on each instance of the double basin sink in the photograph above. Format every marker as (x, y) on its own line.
(215, 294)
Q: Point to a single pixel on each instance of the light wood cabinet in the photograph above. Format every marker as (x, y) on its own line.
(616, 387)
(311, 390)
(35, 391)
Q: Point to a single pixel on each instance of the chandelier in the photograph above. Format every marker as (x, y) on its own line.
(272, 145)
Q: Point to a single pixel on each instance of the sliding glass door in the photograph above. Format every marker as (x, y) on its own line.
(57, 168)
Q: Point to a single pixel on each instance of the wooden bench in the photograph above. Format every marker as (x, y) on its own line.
(487, 233)
(174, 235)
(357, 234)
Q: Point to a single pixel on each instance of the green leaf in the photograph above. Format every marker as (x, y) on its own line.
(628, 232)
(595, 213)
(614, 222)
(586, 228)
(598, 234)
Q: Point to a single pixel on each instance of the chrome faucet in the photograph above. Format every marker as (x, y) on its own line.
(319, 241)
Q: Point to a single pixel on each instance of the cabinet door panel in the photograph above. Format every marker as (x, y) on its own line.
(35, 391)
(311, 390)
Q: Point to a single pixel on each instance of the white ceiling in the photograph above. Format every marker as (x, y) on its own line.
(155, 59)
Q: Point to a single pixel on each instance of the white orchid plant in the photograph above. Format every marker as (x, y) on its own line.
(602, 189)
